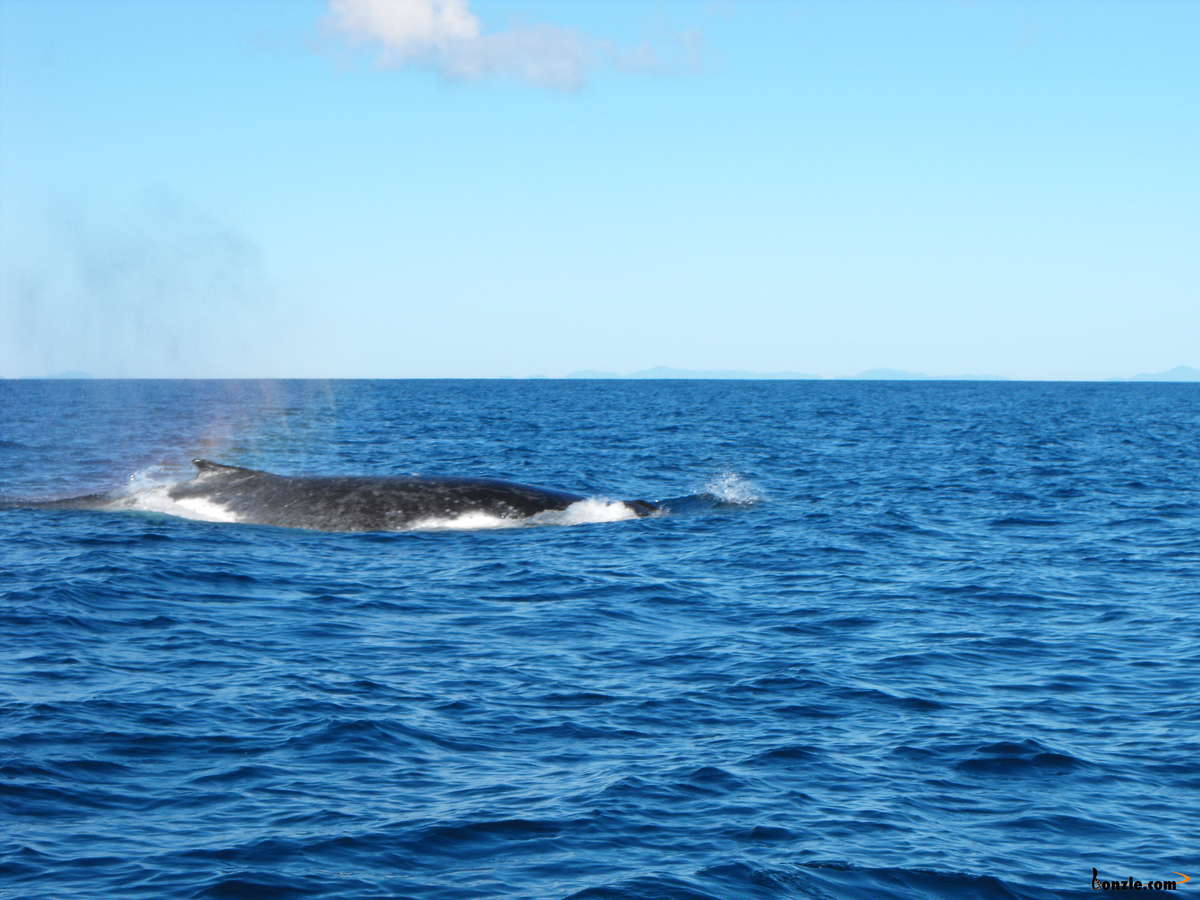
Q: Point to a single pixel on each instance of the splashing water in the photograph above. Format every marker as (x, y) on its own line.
(584, 512)
(729, 487)
(148, 490)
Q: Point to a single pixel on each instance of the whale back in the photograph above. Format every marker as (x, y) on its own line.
(360, 503)
(345, 503)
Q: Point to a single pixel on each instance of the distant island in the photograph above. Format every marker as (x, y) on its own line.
(1179, 373)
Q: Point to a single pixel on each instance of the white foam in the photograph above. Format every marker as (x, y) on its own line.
(729, 487)
(149, 491)
(199, 508)
(582, 512)
(585, 512)
(465, 522)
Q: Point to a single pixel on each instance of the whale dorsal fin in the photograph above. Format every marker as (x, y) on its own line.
(207, 466)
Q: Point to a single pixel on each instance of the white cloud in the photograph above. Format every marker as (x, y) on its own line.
(407, 28)
(447, 36)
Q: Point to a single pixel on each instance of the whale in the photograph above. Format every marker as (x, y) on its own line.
(350, 503)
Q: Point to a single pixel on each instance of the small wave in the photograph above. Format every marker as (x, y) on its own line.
(1026, 520)
(1009, 758)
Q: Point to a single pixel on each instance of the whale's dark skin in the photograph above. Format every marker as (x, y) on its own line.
(342, 503)
(366, 504)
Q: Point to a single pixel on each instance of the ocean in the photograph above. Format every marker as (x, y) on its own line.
(923, 639)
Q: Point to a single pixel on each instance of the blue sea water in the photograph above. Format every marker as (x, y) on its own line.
(939, 641)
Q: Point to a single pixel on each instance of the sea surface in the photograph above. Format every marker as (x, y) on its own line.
(911, 640)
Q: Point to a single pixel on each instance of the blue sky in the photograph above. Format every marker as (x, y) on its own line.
(449, 188)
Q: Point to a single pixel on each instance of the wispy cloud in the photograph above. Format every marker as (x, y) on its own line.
(447, 36)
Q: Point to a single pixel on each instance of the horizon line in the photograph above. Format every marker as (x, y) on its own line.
(843, 378)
